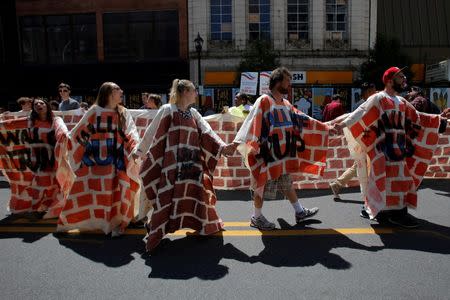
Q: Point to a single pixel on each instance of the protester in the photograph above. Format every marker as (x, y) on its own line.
(417, 98)
(151, 101)
(398, 142)
(102, 181)
(34, 187)
(25, 104)
(367, 90)
(276, 141)
(67, 103)
(180, 153)
(333, 109)
(242, 105)
(54, 105)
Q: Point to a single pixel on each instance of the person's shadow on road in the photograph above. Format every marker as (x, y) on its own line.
(306, 250)
(112, 252)
(192, 257)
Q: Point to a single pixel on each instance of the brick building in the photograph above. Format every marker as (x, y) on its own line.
(141, 45)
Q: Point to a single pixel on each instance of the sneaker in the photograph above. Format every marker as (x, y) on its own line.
(364, 214)
(306, 213)
(335, 188)
(406, 221)
(261, 223)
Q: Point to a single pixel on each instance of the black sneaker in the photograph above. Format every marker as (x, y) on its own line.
(364, 214)
(406, 221)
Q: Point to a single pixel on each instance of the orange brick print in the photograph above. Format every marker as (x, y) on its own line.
(104, 200)
(77, 187)
(84, 200)
(392, 171)
(313, 139)
(102, 170)
(400, 186)
(371, 116)
(99, 213)
(432, 138)
(392, 201)
(78, 216)
(356, 130)
(387, 104)
(95, 184)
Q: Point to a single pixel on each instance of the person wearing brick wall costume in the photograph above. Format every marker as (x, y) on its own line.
(399, 143)
(28, 157)
(276, 140)
(180, 153)
(105, 182)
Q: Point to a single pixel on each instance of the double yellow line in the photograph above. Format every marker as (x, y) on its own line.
(11, 228)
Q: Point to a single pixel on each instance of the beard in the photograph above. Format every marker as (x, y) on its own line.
(399, 88)
(283, 90)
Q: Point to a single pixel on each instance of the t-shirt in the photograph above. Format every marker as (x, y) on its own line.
(303, 105)
(69, 104)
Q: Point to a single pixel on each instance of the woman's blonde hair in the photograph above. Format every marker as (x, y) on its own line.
(178, 87)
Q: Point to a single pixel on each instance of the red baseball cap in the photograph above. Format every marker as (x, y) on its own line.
(390, 73)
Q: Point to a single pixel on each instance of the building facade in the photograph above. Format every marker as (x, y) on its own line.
(140, 45)
(326, 40)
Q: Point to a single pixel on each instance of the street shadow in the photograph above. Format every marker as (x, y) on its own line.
(9, 222)
(360, 202)
(112, 252)
(429, 237)
(192, 257)
(441, 185)
(306, 250)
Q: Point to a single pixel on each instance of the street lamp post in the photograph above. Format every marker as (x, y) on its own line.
(198, 47)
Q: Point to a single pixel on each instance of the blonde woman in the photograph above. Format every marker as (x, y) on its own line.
(180, 152)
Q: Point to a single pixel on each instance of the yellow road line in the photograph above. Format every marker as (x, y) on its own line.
(280, 232)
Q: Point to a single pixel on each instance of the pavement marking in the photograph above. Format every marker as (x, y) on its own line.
(233, 233)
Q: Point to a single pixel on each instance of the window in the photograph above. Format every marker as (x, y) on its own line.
(58, 39)
(140, 36)
(298, 20)
(259, 19)
(336, 21)
(221, 28)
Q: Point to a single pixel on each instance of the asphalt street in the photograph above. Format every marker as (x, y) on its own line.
(336, 255)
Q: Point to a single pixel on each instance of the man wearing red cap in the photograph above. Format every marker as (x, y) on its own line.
(392, 144)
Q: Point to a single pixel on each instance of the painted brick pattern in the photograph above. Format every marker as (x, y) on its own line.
(236, 176)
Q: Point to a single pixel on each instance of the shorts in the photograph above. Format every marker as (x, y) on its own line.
(281, 184)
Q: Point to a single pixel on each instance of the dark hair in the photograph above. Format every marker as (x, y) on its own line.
(417, 89)
(64, 85)
(366, 86)
(278, 76)
(336, 97)
(156, 98)
(55, 103)
(35, 116)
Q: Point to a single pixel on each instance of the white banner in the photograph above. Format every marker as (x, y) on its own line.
(249, 82)
(264, 79)
(298, 77)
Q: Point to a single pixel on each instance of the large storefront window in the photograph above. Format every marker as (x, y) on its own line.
(141, 36)
(259, 20)
(221, 26)
(58, 39)
(298, 20)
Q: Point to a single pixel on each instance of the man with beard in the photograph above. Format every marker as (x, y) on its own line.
(276, 141)
(398, 143)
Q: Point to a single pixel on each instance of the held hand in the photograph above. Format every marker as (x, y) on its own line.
(135, 156)
(446, 113)
(339, 128)
(229, 149)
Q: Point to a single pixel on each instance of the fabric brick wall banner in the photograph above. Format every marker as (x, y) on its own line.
(399, 143)
(104, 181)
(28, 160)
(230, 172)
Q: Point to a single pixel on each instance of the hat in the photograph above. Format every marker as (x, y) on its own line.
(390, 73)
